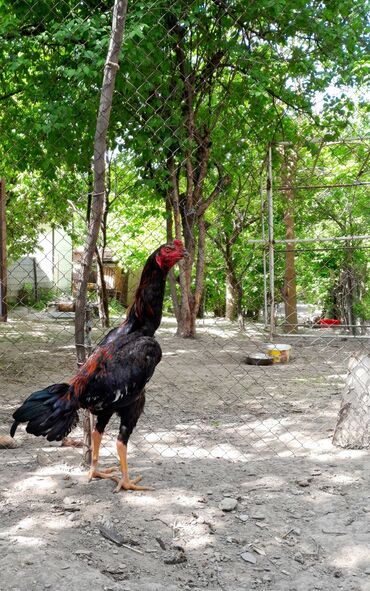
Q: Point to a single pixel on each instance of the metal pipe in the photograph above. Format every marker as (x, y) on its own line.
(352, 140)
(297, 240)
(3, 255)
(271, 240)
(295, 188)
(321, 336)
(264, 261)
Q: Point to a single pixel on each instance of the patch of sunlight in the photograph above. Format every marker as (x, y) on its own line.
(199, 541)
(26, 523)
(37, 484)
(341, 454)
(224, 451)
(270, 482)
(351, 556)
(173, 496)
(54, 469)
(164, 436)
(337, 376)
(25, 353)
(30, 542)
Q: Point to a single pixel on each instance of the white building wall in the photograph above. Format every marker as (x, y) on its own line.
(53, 265)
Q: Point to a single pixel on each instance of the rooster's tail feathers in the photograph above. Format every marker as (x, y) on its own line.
(51, 412)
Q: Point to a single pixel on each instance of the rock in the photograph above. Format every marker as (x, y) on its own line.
(243, 517)
(161, 542)
(298, 557)
(228, 504)
(367, 570)
(175, 558)
(69, 501)
(303, 483)
(249, 557)
(83, 553)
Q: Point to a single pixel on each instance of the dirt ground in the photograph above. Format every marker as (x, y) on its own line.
(249, 491)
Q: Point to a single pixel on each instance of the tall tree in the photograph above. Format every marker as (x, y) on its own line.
(100, 148)
(200, 67)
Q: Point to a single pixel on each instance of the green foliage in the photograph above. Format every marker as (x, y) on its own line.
(116, 308)
(28, 297)
(257, 71)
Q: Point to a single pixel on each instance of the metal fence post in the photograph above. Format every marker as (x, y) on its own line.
(3, 271)
(271, 241)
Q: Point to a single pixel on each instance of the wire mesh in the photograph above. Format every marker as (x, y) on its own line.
(172, 169)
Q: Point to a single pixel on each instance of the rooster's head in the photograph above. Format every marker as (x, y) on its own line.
(168, 255)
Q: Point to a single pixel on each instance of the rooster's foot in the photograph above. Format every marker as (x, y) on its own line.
(106, 473)
(126, 483)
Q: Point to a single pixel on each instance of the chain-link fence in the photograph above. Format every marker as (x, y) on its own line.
(318, 316)
(165, 178)
(262, 321)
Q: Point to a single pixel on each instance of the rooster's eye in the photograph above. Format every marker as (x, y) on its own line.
(167, 249)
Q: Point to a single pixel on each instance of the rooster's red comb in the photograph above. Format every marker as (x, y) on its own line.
(178, 243)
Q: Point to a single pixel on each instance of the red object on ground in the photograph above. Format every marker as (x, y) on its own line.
(329, 322)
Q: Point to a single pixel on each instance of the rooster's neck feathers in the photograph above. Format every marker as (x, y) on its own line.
(146, 311)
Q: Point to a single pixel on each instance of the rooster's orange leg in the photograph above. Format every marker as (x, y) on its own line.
(125, 483)
(96, 438)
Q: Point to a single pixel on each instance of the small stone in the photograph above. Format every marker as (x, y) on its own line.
(228, 504)
(83, 553)
(367, 570)
(258, 517)
(176, 558)
(243, 517)
(249, 557)
(298, 557)
(303, 483)
(69, 501)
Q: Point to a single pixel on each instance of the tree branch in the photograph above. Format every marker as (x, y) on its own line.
(222, 183)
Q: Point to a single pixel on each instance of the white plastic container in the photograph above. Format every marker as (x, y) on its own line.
(279, 353)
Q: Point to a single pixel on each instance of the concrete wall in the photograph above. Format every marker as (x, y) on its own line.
(53, 258)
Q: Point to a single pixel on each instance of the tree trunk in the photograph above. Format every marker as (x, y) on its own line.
(353, 426)
(290, 285)
(97, 203)
(231, 312)
(103, 304)
(100, 142)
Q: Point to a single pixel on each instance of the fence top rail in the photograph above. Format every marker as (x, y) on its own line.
(302, 240)
(352, 140)
(318, 337)
(313, 187)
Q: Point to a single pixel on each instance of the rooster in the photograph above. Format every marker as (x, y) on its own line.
(113, 379)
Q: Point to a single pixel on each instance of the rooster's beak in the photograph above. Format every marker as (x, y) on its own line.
(185, 254)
